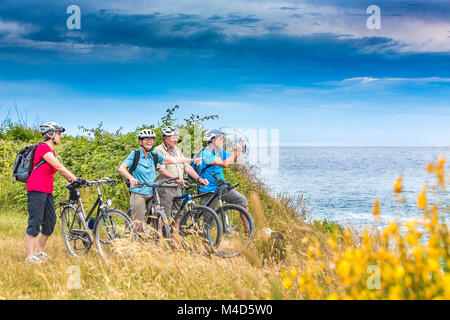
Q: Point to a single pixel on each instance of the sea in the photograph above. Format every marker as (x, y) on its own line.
(340, 184)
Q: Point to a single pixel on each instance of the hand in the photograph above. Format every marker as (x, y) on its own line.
(197, 160)
(181, 181)
(133, 182)
(240, 146)
(205, 182)
(81, 181)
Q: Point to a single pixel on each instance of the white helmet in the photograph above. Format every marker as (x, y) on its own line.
(169, 131)
(146, 133)
(50, 126)
(213, 133)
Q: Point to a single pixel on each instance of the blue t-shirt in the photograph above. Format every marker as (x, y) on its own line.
(210, 155)
(145, 171)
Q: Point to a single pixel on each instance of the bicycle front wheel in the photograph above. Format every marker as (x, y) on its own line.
(238, 228)
(114, 233)
(200, 230)
(76, 236)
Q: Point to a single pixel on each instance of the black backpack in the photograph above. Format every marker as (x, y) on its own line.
(197, 166)
(23, 166)
(137, 155)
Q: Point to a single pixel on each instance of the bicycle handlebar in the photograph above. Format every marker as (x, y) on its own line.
(168, 181)
(81, 182)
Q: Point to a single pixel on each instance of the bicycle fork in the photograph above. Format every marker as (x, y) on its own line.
(224, 215)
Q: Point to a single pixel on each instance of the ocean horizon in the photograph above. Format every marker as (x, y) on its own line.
(340, 183)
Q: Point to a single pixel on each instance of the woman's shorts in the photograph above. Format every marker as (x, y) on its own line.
(41, 211)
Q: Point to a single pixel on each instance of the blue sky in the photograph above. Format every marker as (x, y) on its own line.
(311, 69)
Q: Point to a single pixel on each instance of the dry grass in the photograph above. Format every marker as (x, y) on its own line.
(154, 272)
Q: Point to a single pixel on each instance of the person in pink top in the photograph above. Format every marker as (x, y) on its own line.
(41, 206)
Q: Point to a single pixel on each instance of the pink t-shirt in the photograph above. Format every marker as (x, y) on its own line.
(41, 179)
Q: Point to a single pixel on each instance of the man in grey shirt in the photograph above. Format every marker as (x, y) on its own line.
(167, 195)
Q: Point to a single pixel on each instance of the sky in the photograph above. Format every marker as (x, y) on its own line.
(313, 70)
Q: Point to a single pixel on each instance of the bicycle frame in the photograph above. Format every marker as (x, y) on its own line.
(99, 205)
(214, 195)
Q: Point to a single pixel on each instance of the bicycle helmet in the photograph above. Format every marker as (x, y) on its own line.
(213, 133)
(146, 133)
(50, 126)
(169, 131)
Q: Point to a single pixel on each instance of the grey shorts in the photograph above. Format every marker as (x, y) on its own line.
(231, 196)
(167, 199)
(139, 204)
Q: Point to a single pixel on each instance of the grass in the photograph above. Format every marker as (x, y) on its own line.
(153, 272)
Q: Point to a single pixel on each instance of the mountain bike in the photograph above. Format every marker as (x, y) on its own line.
(111, 228)
(199, 228)
(237, 222)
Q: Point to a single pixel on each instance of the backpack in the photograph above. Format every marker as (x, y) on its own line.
(137, 155)
(23, 165)
(197, 166)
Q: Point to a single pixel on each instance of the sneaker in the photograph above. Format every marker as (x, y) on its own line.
(42, 256)
(34, 259)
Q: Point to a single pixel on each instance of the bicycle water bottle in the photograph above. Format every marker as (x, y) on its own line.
(91, 223)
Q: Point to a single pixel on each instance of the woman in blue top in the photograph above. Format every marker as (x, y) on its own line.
(215, 159)
(145, 172)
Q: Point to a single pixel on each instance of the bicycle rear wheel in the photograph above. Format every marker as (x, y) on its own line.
(75, 235)
(114, 233)
(238, 228)
(200, 230)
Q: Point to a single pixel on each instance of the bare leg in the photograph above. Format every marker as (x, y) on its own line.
(41, 243)
(29, 245)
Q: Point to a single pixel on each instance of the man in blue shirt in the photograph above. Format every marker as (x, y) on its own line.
(145, 172)
(215, 159)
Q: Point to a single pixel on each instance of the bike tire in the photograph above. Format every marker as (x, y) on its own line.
(74, 232)
(234, 241)
(200, 239)
(113, 231)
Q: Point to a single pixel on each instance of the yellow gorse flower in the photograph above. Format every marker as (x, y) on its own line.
(376, 207)
(398, 187)
(422, 199)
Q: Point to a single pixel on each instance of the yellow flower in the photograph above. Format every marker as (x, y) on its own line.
(283, 272)
(391, 228)
(433, 264)
(343, 268)
(293, 273)
(287, 283)
(441, 162)
(399, 272)
(411, 224)
(398, 185)
(332, 243)
(301, 281)
(422, 199)
(395, 293)
(430, 168)
(347, 236)
(376, 207)
(333, 296)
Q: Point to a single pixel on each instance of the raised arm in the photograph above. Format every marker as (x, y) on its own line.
(230, 160)
(177, 160)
